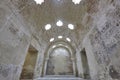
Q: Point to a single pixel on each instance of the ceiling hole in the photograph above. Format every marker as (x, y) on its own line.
(76, 1)
(48, 27)
(60, 37)
(71, 26)
(39, 1)
(60, 44)
(54, 46)
(59, 23)
(68, 39)
(52, 39)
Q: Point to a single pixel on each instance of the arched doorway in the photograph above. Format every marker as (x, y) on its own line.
(59, 62)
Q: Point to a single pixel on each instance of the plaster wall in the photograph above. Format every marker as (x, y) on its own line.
(102, 43)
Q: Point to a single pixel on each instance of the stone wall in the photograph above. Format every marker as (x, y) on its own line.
(104, 38)
(9, 72)
(102, 42)
(14, 41)
(16, 35)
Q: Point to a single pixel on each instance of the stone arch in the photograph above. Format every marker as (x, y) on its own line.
(59, 62)
(64, 45)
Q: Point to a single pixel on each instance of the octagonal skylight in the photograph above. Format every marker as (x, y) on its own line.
(48, 26)
(59, 23)
(52, 39)
(76, 1)
(68, 39)
(71, 26)
(39, 1)
(60, 37)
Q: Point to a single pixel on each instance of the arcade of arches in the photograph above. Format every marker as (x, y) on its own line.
(60, 40)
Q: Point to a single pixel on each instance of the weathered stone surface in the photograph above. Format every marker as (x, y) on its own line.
(113, 73)
(9, 72)
(97, 29)
(105, 40)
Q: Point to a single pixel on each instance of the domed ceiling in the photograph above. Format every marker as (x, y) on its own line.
(52, 11)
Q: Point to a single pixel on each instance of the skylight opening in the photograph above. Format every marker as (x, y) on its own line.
(60, 44)
(48, 27)
(39, 1)
(59, 23)
(76, 1)
(71, 26)
(52, 39)
(54, 46)
(68, 39)
(66, 46)
(60, 37)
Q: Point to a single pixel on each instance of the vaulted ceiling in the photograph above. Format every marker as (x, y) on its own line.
(53, 10)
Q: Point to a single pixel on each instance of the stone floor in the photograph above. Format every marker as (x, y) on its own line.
(57, 79)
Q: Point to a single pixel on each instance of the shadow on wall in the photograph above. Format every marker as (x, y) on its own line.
(86, 72)
(29, 64)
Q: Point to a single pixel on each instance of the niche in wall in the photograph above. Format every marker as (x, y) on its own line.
(85, 65)
(29, 64)
(59, 62)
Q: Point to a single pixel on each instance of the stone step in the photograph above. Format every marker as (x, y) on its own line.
(60, 79)
(26, 79)
(57, 79)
